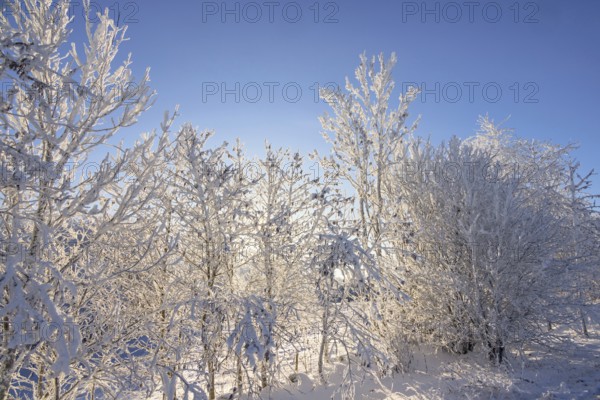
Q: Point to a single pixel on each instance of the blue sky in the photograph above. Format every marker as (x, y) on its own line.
(542, 55)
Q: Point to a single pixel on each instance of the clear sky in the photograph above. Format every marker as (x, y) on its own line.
(536, 62)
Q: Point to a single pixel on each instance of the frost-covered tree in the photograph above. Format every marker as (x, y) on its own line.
(209, 204)
(110, 272)
(277, 251)
(485, 235)
(62, 105)
(581, 252)
(365, 134)
(552, 180)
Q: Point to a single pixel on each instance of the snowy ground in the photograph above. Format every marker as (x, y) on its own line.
(573, 373)
(571, 370)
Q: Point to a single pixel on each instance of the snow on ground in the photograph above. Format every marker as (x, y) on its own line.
(573, 373)
(570, 370)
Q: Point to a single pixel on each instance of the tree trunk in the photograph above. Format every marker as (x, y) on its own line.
(296, 363)
(39, 391)
(240, 378)
(57, 388)
(496, 351)
(323, 342)
(583, 323)
(263, 375)
(211, 380)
